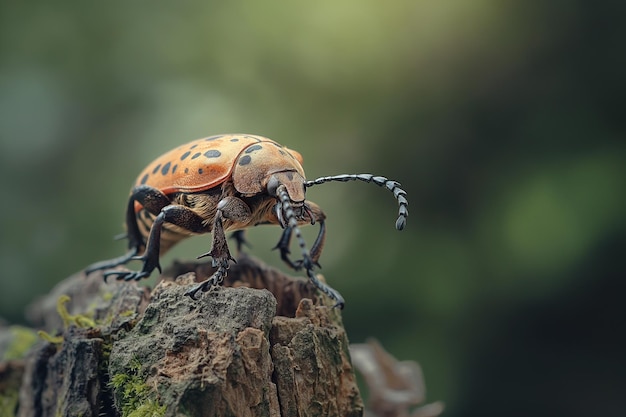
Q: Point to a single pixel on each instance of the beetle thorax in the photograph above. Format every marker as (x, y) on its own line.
(262, 167)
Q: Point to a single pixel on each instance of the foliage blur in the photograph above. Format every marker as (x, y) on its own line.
(501, 120)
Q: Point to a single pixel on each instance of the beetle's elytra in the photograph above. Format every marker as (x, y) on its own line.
(227, 183)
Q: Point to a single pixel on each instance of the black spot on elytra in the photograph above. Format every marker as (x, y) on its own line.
(166, 168)
(282, 152)
(156, 169)
(195, 155)
(253, 148)
(213, 153)
(234, 140)
(144, 179)
(193, 146)
(213, 137)
(186, 170)
(289, 176)
(174, 168)
(185, 155)
(200, 170)
(245, 160)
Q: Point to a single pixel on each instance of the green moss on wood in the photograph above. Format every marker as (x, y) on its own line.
(134, 396)
(8, 403)
(22, 340)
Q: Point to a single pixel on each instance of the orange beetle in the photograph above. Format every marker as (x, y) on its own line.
(227, 183)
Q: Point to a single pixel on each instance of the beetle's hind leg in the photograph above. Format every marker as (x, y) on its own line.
(135, 240)
(112, 263)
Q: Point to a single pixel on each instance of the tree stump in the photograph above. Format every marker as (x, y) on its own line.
(262, 345)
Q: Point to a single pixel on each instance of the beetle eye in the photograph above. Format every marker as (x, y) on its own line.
(272, 185)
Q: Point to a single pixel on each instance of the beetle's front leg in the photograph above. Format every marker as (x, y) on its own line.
(308, 261)
(315, 214)
(315, 252)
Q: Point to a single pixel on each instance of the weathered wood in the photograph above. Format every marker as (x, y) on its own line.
(64, 382)
(160, 353)
(11, 375)
(207, 357)
(311, 360)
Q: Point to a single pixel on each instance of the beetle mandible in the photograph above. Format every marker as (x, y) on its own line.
(227, 183)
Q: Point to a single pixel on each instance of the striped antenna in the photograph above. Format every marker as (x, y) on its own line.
(393, 186)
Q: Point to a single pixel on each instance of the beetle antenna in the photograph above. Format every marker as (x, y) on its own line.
(292, 223)
(391, 185)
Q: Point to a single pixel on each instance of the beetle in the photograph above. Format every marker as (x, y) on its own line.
(225, 183)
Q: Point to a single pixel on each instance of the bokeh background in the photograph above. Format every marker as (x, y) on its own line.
(502, 120)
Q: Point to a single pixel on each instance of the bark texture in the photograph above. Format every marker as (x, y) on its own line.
(263, 345)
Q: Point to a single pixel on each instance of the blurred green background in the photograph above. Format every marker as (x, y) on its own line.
(502, 120)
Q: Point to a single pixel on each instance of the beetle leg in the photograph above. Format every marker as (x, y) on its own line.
(315, 252)
(234, 209)
(111, 263)
(308, 262)
(221, 258)
(180, 216)
(239, 236)
(154, 201)
(283, 246)
(318, 245)
(159, 205)
(315, 214)
(237, 211)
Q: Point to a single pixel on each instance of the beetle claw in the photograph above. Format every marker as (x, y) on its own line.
(126, 275)
(214, 280)
(301, 264)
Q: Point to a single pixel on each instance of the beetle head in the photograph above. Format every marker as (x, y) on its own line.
(288, 189)
(293, 182)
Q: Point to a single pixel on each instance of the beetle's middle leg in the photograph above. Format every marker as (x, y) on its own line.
(157, 203)
(236, 212)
